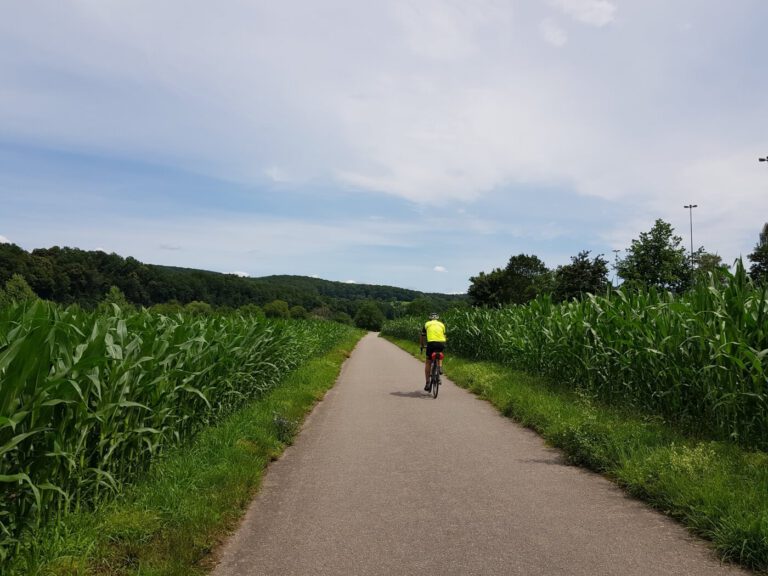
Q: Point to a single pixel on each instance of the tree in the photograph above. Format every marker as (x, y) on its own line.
(418, 307)
(322, 312)
(42, 277)
(487, 289)
(17, 291)
(707, 263)
(389, 309)
(277, 309)
(115, 296)
(369, 317)
(252, 310)
(581, 276)
(13, 260)
(524, 277)
(167, 308)
(759, 269)
(342, 318)
(657, 259)
(298, 312)
(198, 308)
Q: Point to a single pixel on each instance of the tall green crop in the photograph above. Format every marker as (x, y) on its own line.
(88, 399)
(698, 360)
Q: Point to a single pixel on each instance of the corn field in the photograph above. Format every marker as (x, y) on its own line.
(88, 399)
(699, 360)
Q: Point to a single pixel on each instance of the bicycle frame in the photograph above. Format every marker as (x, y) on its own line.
(434, 373)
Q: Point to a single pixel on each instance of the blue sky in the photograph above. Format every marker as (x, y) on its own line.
(409, 143)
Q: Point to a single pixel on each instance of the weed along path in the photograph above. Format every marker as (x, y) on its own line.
(384, 479)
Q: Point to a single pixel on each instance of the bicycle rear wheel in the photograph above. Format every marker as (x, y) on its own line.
(435, 381)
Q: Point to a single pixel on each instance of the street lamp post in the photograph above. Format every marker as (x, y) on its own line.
(616, 266)
(690, 212)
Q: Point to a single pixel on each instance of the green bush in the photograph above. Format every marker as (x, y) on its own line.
(17, 291)
(277, 309)
(298, 312)
(369, 317)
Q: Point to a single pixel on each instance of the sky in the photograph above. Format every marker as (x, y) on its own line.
(411, 143)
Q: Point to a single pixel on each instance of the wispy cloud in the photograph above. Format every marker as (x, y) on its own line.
(552, 33)
(592, 12)
(447, 113)
(4, 240)
(439, 29)
(439, 269)
(276, 174)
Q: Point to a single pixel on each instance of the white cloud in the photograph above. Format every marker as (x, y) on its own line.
(241, 274)
(446, 29)
(437, 141)
(592, 12)
(439, 269)
(433, 102)
(276, 174)
(4, 240)
(552, 33)
(350, 282)
(433, 29)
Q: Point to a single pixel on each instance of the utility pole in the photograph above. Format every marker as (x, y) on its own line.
(690, 212)
(616, 266)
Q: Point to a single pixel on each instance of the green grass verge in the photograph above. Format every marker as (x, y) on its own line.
(169, 523)
(716, 489)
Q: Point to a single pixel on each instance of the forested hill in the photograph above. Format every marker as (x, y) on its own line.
(352, 291)
(71, 275)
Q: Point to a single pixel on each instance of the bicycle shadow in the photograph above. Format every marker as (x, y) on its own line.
(414, 394)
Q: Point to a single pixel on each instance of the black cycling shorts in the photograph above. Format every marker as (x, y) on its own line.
(434, 347)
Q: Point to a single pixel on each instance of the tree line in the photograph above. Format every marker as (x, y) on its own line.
(92, 278)
(656, 259)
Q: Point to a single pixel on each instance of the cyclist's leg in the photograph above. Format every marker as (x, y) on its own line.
(440, 348)
(428, 366)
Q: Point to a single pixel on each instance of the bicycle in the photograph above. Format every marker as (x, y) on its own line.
(434, 375)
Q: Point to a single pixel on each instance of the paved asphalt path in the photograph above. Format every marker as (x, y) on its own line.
(384, 479)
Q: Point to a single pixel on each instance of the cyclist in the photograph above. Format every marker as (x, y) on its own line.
(433, 334)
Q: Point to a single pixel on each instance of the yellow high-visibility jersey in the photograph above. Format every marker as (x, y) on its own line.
(435, 331)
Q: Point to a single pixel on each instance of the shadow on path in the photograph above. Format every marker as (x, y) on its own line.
(415, 394)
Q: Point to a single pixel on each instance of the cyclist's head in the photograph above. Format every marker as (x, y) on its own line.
(433, 316)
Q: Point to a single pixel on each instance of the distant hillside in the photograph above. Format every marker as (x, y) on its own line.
(352, 291)
(71, 275)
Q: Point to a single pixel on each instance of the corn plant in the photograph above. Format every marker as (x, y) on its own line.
(699, 360)
(88, 399)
